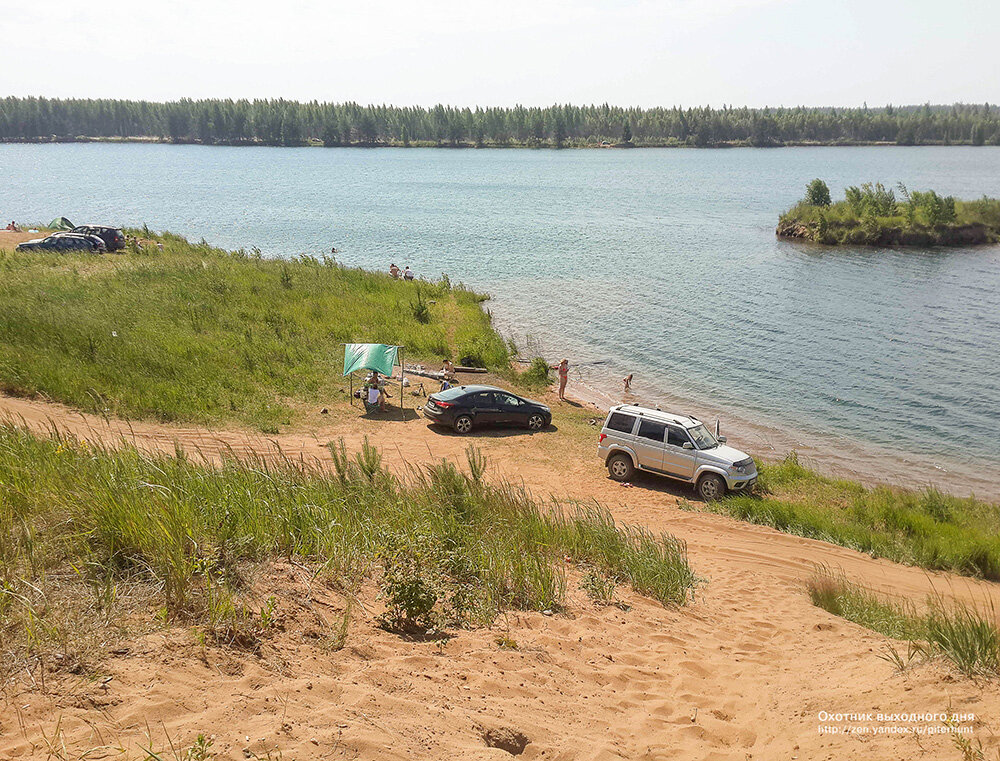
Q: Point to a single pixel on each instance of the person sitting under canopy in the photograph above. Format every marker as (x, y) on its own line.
(379, 360)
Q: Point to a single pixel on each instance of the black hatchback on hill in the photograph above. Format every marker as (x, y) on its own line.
(466, 407)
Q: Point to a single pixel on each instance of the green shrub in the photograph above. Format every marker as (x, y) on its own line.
(421, 312)
(818, 193)
(536, 377)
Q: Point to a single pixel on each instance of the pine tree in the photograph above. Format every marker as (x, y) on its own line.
(330, 135)
(559, 132)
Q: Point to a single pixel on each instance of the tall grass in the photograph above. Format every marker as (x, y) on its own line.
(962, 634)
(929, 529)
(194, 333)
(447, 547)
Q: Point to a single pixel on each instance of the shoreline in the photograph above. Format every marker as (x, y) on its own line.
(865, 462)
(868, 463)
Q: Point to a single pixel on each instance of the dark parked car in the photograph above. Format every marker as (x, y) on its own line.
(113, 238)
(465, 407)
(64, 242)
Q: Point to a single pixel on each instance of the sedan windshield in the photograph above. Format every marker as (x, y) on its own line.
(703, 439)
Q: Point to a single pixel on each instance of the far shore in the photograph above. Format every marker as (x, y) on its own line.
(466, 145)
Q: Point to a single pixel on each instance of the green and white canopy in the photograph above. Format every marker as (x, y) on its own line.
(377, 357)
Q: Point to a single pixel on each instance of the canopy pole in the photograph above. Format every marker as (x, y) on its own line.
(402, 375)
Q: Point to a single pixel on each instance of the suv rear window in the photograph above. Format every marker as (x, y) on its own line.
(651, 429)
(620, 422)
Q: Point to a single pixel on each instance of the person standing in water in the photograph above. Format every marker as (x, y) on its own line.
(627, 380)
(563, 368)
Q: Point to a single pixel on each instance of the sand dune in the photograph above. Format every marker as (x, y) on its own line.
(743, 673)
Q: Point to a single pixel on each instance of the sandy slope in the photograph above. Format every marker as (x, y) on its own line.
(743, 673)
(8, 239)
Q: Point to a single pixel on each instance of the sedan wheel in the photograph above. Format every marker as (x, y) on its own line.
(463, 424)
(536, 422)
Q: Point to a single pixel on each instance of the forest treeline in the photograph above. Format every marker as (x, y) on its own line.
(284, 122)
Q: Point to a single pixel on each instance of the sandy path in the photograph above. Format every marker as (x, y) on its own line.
(742, 674)
(548, 467)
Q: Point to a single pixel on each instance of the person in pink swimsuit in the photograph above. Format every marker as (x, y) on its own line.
(563, 368)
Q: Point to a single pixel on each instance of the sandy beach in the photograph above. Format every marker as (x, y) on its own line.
(746, 670)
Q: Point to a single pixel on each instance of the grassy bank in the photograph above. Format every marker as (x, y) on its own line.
(194, 333)
(81, 529)
(964, 636)
(874, 215)
(927, 529)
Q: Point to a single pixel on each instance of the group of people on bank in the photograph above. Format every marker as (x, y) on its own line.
(406, 273)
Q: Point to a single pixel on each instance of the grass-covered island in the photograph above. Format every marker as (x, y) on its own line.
(873, 215)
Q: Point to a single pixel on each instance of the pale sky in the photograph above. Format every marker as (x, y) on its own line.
(535, 52)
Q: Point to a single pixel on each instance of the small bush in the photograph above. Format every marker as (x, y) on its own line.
(600, 589)
(421, 312)
(410, 590)
(818, 193)
(536, 376)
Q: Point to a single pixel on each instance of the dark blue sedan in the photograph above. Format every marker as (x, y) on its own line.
(466, 407)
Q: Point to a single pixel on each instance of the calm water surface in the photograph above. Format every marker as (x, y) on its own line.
(662, 263)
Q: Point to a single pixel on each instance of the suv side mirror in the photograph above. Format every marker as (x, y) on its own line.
(687, 445)
(722, 439)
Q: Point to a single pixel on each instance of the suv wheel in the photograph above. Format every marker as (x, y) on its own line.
(463, 424)
(711, 487)
(536, 422)
(620, 467)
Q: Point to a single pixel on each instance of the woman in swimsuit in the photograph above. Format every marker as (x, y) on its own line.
(563, 368)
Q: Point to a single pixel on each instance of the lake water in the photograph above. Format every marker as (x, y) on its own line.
(664, 263)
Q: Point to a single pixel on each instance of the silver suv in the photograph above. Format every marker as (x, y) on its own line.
(675, 446)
